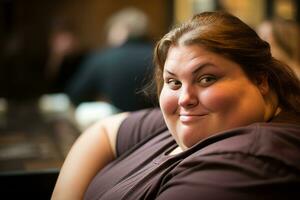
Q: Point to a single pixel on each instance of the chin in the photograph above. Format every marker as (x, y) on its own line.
(188, 138)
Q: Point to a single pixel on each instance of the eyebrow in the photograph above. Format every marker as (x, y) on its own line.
(199, 68)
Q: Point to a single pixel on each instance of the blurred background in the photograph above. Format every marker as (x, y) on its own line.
(48, 46)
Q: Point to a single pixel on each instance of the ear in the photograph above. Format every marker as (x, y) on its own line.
(262, 83)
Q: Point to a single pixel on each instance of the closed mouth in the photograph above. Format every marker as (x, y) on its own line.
(185, 118)
(193, 114)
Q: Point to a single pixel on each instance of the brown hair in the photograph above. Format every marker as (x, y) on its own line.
(225, 34)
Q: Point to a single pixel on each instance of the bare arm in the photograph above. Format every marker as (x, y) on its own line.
(92, 151)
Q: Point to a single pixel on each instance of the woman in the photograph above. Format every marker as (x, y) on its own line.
(228, 126)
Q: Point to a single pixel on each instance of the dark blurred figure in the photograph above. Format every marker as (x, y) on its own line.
(64, 57)
(117, 73)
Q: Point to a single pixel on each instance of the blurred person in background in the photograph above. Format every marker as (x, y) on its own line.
(115, 74)
(64, 55)
(284, 38)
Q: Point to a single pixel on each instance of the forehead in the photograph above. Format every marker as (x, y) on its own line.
(183, 54)
(189, 58)
(186, 51)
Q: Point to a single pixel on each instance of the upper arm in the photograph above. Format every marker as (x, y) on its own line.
(92, 151)
(111, 127)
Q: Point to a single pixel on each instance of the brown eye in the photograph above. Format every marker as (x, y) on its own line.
(207, 80)
(173, 84)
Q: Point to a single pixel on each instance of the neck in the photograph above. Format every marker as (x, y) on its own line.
(273, 108)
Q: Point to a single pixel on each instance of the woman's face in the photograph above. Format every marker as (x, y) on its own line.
(205, 93)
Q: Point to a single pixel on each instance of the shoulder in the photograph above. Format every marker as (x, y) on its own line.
(262, 159)
(151, 117)
(253, 146)
(138, 126)
(278, 140)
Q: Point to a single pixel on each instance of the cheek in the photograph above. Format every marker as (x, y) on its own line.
(168, 101)
(235, 104)
(216, 99)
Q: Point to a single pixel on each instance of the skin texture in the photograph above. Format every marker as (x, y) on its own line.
(205, 93)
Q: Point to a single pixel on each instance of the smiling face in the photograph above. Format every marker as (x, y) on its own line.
(205, 93)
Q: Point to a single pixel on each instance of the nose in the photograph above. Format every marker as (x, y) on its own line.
(188, 98)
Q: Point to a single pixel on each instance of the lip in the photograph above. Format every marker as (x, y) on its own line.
(188, 118)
